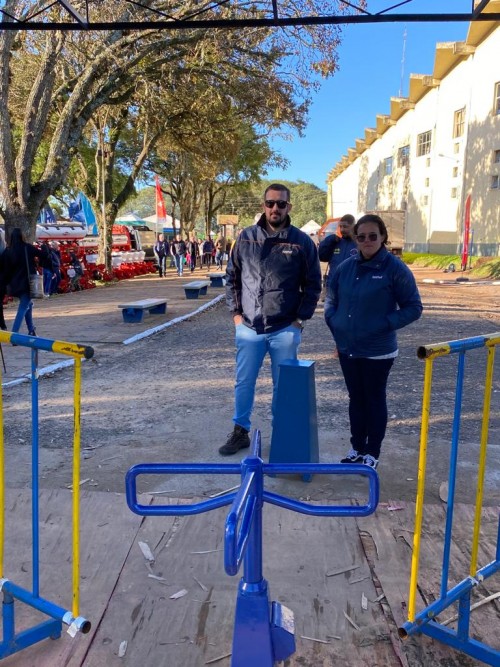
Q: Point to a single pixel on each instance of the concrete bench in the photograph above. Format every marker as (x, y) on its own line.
(133, 311)
(196, 288)
(217, 279)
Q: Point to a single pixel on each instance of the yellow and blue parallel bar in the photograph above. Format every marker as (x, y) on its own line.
(12, 642)
(424, 621)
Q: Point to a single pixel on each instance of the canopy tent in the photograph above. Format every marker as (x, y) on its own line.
(311, 227)
(158, 226)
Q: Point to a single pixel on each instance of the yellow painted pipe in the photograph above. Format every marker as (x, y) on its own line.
(482, 456)
(76, 485)
(419, 505)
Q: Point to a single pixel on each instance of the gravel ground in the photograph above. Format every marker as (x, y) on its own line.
(170, 398)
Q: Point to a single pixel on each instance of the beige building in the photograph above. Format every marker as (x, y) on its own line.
(436, 147)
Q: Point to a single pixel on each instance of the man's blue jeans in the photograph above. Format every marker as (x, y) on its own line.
(179, 263)
(25, 309)
(251, 348)
(47, 280)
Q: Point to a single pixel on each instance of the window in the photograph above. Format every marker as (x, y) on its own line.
(428, 162)
(495, 182)
(496, 105)
(455, 172)
(496, 159)
(456, 147)
(427, 182)
(404, 156)
(388, 166)
(453, 193)
(425, 200)
(424, 143)
(458, 123)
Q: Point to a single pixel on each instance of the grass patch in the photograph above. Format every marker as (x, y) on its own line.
(482, 267)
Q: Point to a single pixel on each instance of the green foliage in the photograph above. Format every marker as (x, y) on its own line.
(482, 267)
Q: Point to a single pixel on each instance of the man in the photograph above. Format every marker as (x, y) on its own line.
(178, 252)
(208, 249)
(161, 250)
(335, 249)
(273, 283)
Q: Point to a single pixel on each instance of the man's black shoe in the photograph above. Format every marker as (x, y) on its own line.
(238, 439)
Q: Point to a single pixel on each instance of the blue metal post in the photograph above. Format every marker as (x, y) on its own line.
(295, 424)
(453, 472)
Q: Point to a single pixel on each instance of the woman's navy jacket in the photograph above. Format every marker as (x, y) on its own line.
(272, 280)
(368, 301)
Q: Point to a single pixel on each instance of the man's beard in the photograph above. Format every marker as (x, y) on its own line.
(276, 223)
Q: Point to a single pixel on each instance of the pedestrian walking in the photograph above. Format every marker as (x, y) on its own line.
(161, 251)
(371, 296)
(273, 283)
(178, 251)
(19, 264)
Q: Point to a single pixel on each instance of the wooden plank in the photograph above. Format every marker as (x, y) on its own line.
(107, 531)
(192, 630)
(391, 535)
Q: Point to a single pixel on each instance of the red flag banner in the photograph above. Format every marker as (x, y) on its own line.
(465, 246)
(161, 213)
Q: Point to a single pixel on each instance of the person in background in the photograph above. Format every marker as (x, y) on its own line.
(75, 272)
(19, 264)
(335, 249)
(178, 251)
(56, 266)
(47, 268)
(371, 295)
(219, 253)
(193, 252)
(273, 283)
(208, 250)
(161, 250)
(3, 325)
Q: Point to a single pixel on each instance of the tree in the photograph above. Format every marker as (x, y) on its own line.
(53, 83)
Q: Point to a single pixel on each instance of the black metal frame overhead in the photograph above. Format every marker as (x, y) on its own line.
(80, 14)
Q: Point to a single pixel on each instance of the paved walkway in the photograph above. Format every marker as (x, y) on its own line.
(92, 317)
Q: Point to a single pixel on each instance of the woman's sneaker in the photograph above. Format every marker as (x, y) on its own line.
(370, 460)
(352, 456)
(238, 439)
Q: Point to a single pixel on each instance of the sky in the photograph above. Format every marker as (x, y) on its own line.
(369, 74)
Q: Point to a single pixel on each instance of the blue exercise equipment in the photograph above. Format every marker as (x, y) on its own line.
(295, 424)
(263, 631)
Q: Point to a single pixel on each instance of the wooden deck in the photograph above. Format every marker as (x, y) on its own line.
(126, 604)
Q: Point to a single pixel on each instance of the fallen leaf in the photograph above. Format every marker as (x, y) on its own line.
(123, 649)
(179, 594)
(146, 552)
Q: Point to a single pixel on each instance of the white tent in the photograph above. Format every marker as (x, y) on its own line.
(156, 226)
(311, 227)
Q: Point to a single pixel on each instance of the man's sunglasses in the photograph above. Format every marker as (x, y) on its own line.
(373, 236)
(269, 203)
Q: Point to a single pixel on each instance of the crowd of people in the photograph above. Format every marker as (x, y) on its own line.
(187, 255)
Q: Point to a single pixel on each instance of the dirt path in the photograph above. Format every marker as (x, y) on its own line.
(170, 398)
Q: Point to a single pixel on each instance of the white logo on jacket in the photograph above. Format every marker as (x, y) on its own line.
(377, 277)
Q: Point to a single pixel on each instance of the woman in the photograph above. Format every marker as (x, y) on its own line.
(19, 263)
(371, 295)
